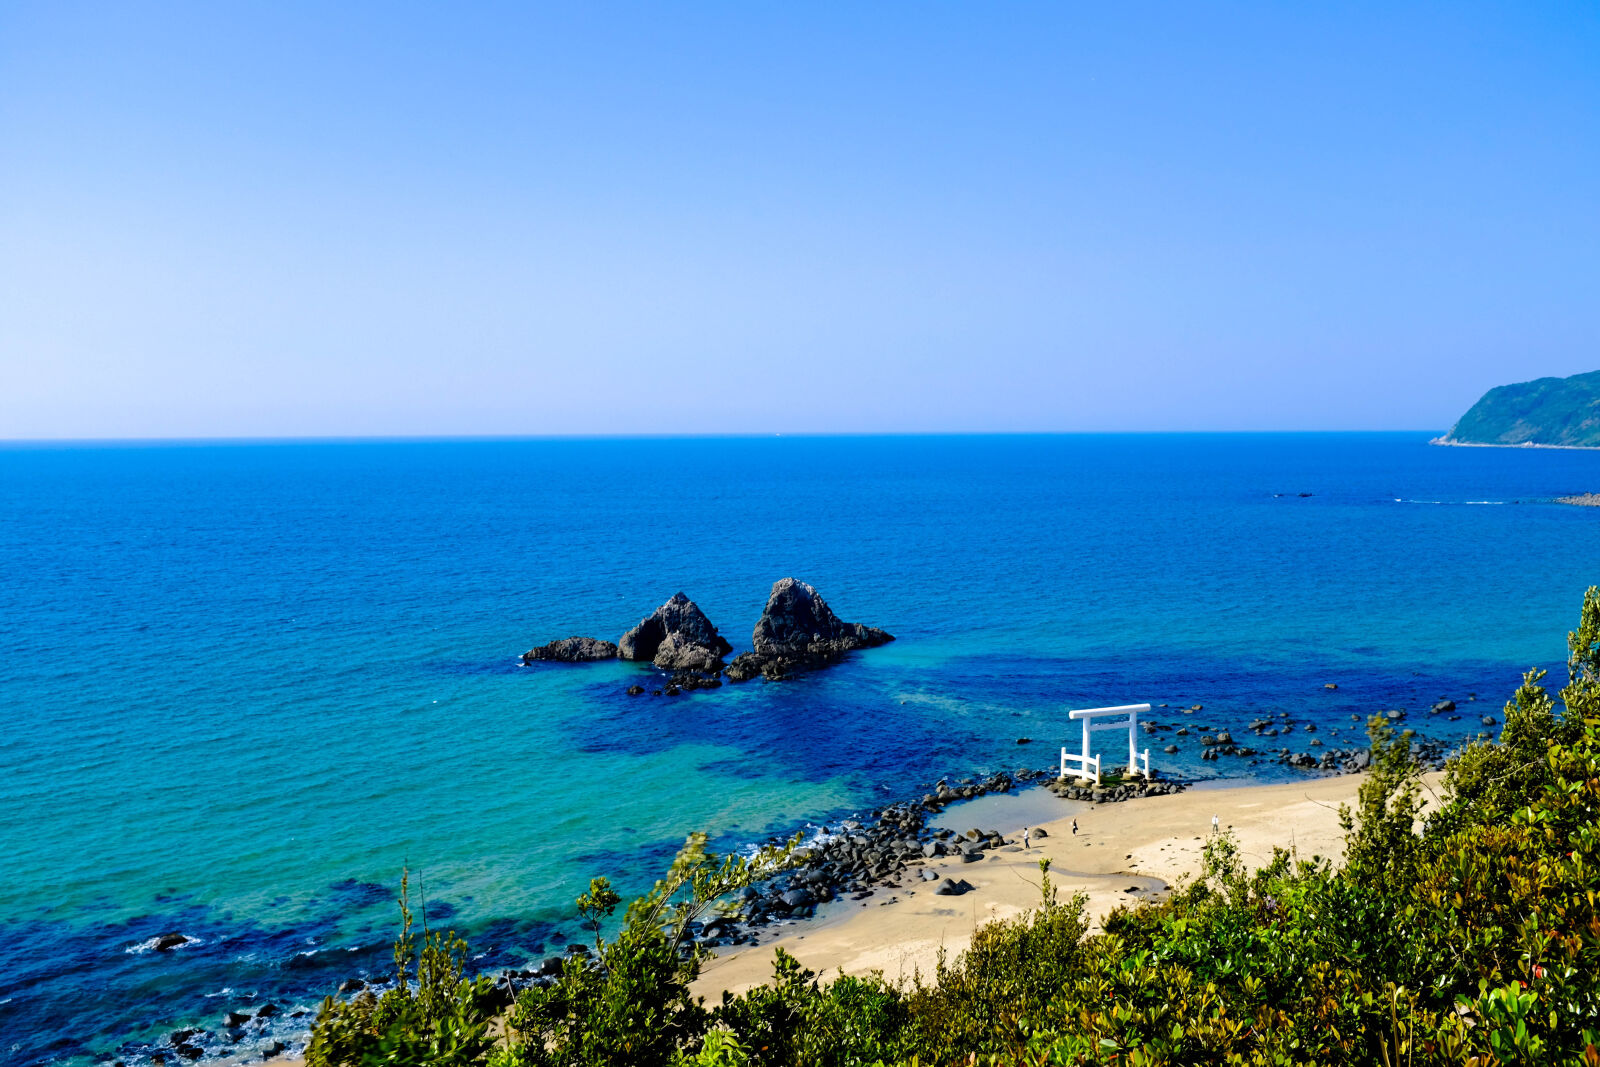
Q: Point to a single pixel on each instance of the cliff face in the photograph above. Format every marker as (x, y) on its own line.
(1545, 411)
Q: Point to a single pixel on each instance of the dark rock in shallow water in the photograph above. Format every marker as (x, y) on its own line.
(236, 1018)
(352, 985)
(168, 942)
(276, 1048)
(693, 639)
(572, 650)
(635, 690)
(798, 630)
(678, 652)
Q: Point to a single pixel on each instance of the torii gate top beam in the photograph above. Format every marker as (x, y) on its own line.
(1095, 713)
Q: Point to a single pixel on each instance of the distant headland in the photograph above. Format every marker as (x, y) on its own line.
(1543, 413)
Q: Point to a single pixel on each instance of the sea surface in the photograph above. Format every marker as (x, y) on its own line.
(243, 685)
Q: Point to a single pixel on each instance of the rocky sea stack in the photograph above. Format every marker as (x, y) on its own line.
(677, 636)
(798, 631)
(572, 650)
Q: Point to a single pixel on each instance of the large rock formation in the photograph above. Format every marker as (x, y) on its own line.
(798, 630)
(676, 636)
(572, 650)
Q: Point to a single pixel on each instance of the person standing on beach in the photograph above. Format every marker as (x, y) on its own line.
(1074, 827)
(1213, 824)
(1025, 838)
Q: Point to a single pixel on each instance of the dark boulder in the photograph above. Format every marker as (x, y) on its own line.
(680, 652)
(168, 942)
(352, 985)
(694, 638)
(572, 650)
(1443, 706)
(798, 630)
(797, 898)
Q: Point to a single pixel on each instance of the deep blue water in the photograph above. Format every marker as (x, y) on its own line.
(243, 685)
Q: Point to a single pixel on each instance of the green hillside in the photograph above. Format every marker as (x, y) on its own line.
(1545, 411)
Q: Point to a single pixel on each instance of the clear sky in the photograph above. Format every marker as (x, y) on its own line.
(226, 219)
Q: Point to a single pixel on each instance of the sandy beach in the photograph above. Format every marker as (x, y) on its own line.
(1121, 853)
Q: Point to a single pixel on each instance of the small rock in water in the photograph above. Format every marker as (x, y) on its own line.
(1330, 685)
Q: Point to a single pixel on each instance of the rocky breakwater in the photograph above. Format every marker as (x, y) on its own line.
(798, 631)
(1112, 792)
(571, 650)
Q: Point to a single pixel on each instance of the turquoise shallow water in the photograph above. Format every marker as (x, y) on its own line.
(244, 684)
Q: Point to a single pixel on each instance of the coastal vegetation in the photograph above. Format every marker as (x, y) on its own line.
(1466, 934)
(1556, 412)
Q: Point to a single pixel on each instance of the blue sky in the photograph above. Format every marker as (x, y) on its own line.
(296, 219)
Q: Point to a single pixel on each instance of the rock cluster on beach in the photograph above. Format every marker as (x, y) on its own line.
(796, 631)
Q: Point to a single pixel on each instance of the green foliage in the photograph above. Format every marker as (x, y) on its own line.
(632, 1005)
(797, 1020)
(437, 1017)
(1469, 937)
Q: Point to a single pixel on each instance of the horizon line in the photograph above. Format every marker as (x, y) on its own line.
(292, 439)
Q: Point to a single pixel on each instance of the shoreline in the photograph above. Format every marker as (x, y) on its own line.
(1448, 442)
(1124, 853)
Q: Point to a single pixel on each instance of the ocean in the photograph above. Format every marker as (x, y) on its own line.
(245, 684)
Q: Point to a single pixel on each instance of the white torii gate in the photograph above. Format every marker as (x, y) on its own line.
(1086, 762)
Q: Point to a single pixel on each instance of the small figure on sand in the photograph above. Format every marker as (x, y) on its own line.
(1213, 824)
(1074, 827)
(1025, 838)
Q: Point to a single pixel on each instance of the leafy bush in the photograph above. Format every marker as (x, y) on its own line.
(439, 1018)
